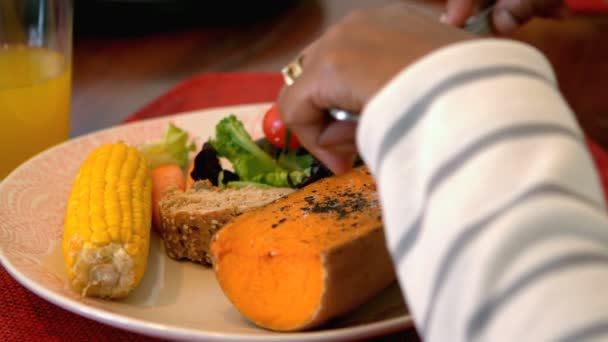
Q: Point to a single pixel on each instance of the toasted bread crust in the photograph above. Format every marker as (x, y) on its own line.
(190, 219)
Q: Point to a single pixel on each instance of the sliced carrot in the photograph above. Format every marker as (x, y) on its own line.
(189, 179)
(164, 177)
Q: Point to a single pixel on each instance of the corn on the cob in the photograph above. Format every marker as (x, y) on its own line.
(107, 225)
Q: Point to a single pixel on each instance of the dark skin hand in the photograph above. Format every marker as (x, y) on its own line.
(507, 15)
(347, 66)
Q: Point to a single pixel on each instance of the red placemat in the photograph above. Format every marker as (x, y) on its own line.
(26, 317)
(213, 90)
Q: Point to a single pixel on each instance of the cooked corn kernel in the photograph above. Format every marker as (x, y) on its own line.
(107, 225)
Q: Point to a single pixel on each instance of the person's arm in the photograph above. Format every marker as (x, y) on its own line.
(493, 211)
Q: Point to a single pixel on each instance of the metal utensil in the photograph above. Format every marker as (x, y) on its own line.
(481, 23)
(342, 115)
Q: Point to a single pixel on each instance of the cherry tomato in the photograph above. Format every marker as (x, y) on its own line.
(275, 129)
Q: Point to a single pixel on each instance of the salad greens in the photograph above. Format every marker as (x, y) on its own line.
(173, 147)
(252, 164)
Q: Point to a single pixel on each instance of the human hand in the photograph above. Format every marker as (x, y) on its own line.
(347, 65)
(507, 15)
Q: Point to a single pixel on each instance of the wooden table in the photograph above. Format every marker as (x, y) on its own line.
(114, 75)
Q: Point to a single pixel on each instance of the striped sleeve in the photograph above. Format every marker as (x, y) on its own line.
(493, 210)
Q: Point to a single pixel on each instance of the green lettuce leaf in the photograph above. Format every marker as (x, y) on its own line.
(173, 147)
(251, 163)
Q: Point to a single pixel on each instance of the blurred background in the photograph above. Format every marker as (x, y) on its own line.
(146, 16)
(128, 52)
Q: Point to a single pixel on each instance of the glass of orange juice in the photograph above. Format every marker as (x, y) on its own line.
(35, 78)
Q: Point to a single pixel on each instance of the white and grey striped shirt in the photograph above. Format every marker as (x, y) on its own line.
(493, 210)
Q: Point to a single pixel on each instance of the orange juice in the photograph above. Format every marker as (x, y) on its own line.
(35, 93)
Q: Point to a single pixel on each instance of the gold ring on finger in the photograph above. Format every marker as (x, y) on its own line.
(292, 70)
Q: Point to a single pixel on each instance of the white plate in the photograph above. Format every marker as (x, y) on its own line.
(176, 300)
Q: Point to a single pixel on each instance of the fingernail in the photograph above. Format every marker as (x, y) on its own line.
(443, 18)
(505, 22)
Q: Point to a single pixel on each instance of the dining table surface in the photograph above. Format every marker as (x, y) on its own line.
(119, 68)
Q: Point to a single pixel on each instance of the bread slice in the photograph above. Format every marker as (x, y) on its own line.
(189, 219)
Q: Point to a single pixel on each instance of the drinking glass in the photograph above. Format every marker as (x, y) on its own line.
(35, 77)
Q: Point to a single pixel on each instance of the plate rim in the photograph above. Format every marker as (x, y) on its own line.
(166, 330)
